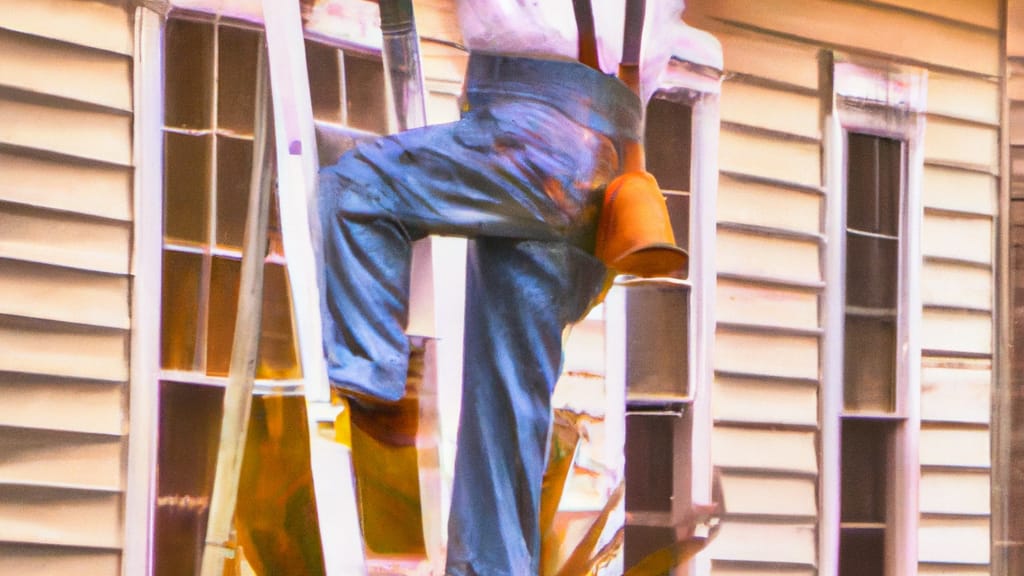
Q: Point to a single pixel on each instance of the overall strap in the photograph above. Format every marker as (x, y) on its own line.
(587, 35)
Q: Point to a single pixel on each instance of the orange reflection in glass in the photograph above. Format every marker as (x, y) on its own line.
(276, 519)
(278, 347)
(179, 309)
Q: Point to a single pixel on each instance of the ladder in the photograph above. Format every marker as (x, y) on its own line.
(284, 69)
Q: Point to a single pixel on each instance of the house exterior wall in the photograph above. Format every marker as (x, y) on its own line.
(1009, 493)
(772, 249)
(65, 276)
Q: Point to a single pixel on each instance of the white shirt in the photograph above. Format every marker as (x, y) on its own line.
(547, 29)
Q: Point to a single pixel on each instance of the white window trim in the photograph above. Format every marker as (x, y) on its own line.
(140, 491)
(700, 87)
(897, 97)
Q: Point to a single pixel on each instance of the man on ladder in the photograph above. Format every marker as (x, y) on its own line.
(523, 175)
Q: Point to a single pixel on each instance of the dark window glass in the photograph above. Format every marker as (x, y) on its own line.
(189, 74)
(865, 467)
(322, 65)
(234, 174)
(187, 187)
(871, 267)
(364, 90)
(862, 552)
(236, 79)
(679, 215)
(650, 445)
(874, 169)
(667, 137)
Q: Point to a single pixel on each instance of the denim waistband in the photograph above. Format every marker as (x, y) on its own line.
(588, 96)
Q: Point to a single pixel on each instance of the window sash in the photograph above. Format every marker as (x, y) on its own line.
(885, 100)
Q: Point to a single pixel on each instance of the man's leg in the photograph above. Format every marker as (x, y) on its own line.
(520, 297)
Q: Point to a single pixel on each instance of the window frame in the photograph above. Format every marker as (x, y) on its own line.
(296, 168)
(698, 86)
(885, 100)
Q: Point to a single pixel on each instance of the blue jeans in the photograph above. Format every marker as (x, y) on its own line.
(522, 175)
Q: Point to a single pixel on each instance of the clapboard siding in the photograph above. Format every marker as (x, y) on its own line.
(68, 404)
(64, 239)
(758, 353)
(65, 253)
(958, 237)
(966, 98)
(42, 347)
(52, 293)
(984, 13)
(954, 540)
(64, 128)
(83, 187)
(60, 517)
(746, 540)
(960, 190)
(871, 28)
(956, 394)
(45, 66)
(724, 568)
(765, 450)
(768, 156)
(742, 302)
(770, 206)
(57, 458)
(762, 57)
(956, 285)
(963, 446)
(961, 143)
(955, 492)
(101, 24)
(790, 496)
(743, 400)
(39, 560)
(956, 332)
(744, 253)
(783, 111)
(770, 262)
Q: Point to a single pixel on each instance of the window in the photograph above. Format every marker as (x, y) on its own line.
(664, 325)
(870, 356)
(872, 350)
(211, 77)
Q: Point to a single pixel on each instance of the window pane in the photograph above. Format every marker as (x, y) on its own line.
(364, 88)
(650, 450)
(234, 167)
(873, 184)
(236, 79)
(189, 74)
(189, 431)
(180, 307)
(862, 552)
(186, 188)
(679, 215)
(667, 137)
(278, 354)
(642, 541)
(865, 469)
(869, 364)
(322, 65)
(657, 317)
(220, 332)
(871, 271)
